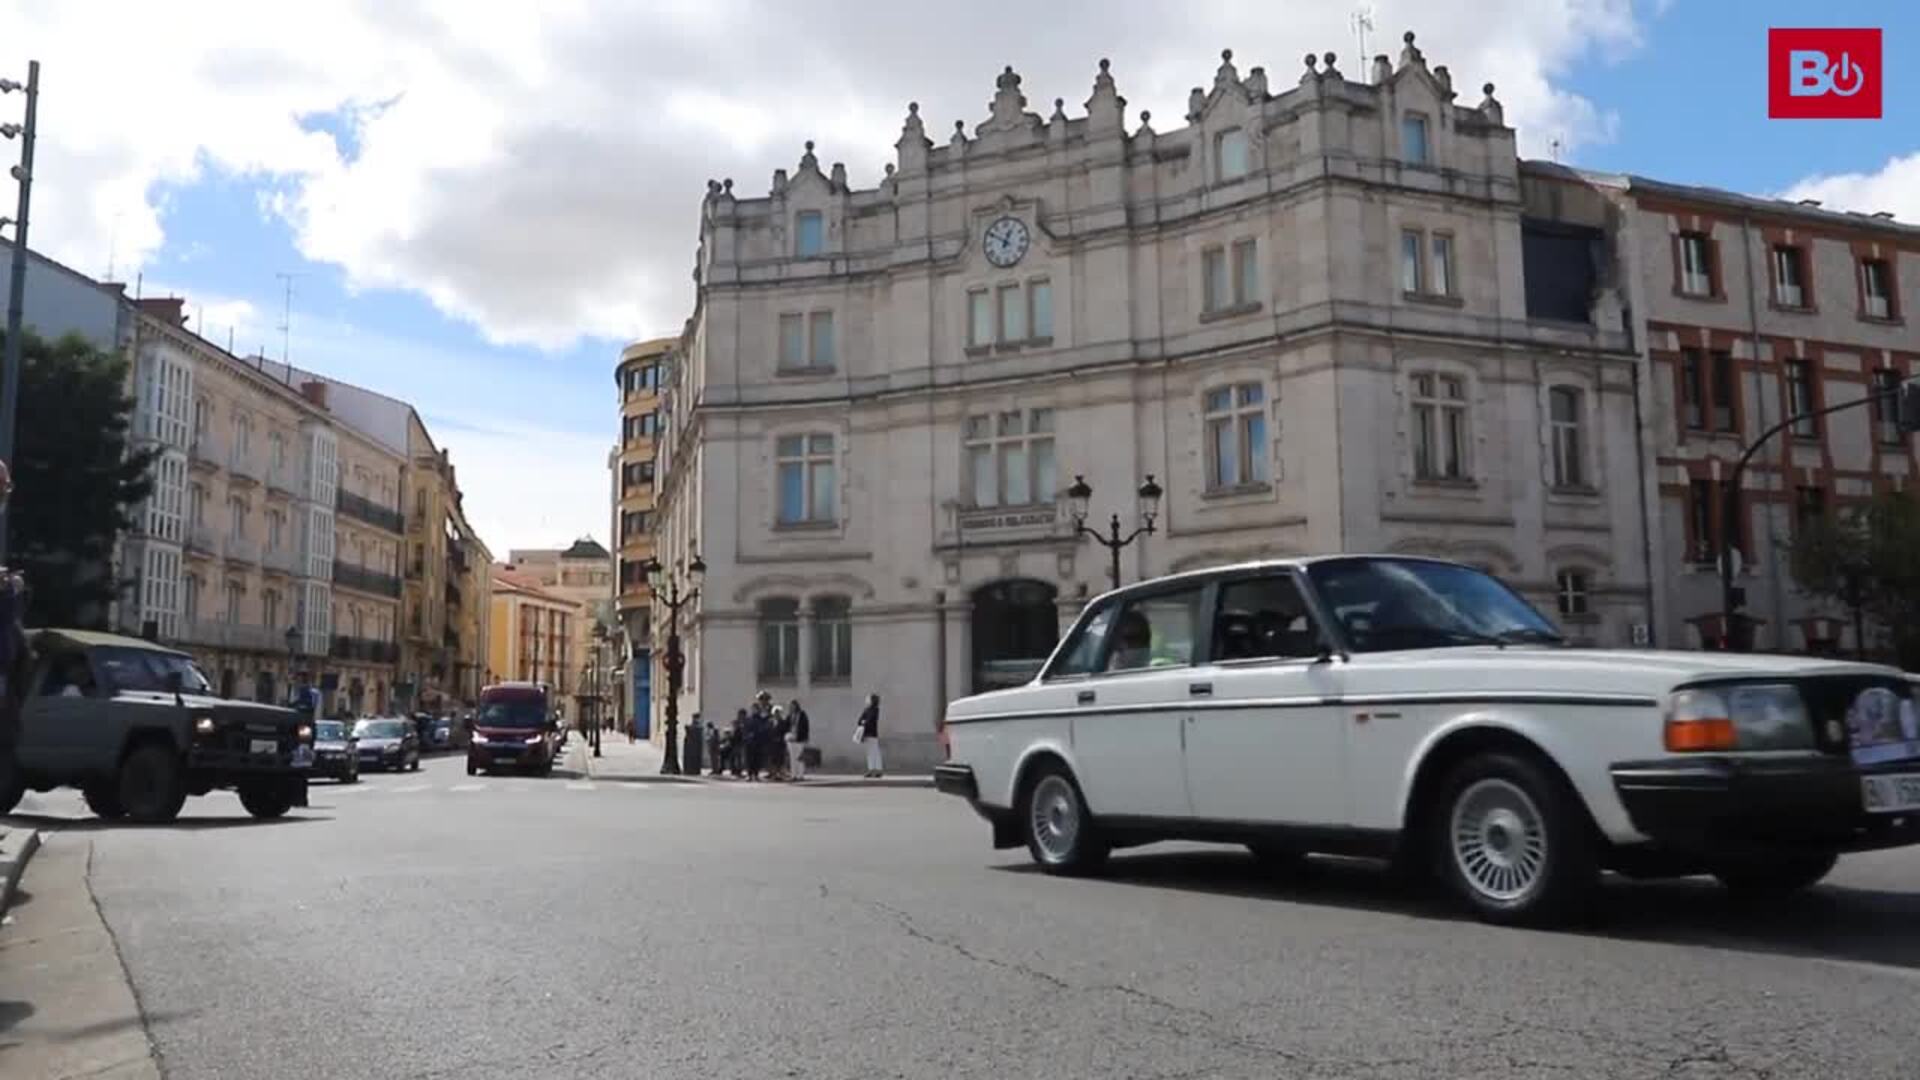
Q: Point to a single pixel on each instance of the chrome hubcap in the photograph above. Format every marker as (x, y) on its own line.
(1499, 839)
(1056, 818)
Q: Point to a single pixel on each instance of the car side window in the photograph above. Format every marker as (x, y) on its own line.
(1263, 618)
(67, 675)
(1083, 654)
(1155, 631)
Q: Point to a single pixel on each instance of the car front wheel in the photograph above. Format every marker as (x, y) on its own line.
(1513, 841)
(104, 800)
(1776, 875)
(152, 785)
(1060, 833)
(265, 800)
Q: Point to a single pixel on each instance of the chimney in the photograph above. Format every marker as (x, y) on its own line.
(170, 310)
(314, 391)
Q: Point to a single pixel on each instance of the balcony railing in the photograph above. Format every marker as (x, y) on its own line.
(283, 560)
(213, 633)
(240, 550)
(283, 479)
(200, 538)
(360, 508)
(347, 647)
(246, 467)
(358, 577)
(206, 451)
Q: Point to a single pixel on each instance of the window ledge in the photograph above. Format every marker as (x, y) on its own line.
(1233, 312)
(831, 680)
(1584, 618)
(1040, 342)
(1436, 299)
(1792, 309)
(1578, 491)
(812, 370)
(1881, 320)
(1703, 297)
(1238, 491)
(805, 526)
(775, 680)
(1008, 348)
(1446, 483)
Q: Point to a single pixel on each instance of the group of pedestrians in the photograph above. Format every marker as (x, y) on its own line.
(775, 742)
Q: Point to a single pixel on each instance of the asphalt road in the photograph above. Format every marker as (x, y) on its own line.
(428, 925)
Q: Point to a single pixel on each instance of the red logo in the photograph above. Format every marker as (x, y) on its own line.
(1823, 74)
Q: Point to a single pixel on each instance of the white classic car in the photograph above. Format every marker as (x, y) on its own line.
(1421, 711)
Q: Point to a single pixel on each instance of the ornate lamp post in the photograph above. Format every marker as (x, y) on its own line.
(293, 647)
(665, 583)
(1081, 493)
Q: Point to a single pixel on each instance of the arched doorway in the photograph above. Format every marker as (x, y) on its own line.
(1015, 626)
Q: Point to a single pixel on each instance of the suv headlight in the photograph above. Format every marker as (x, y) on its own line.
(1740, 716)
(203, 725)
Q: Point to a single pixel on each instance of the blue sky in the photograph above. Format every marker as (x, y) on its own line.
(482, 203)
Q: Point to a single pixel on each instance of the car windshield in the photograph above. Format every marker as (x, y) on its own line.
(144, 669)
(1388, 604)
(512, 714)
(330, 731)
(380, 729)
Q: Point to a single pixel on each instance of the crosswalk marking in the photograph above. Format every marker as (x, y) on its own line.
(467, 787)
(580, 785)
(410, 787)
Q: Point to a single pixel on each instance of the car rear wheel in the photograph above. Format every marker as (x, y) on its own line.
(152, 785)
(103, 798)
(1776, 875)
(266, 800)
(1060, 834)
(1513, 841)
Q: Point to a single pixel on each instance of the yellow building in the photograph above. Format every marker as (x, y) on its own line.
(633, 461)
(582, 575)
(445, 596)
(530, 632)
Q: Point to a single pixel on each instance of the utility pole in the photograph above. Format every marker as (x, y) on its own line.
(17, 292)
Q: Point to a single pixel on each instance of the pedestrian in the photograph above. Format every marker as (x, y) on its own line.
(715, 763)
(737, 746)
(757, 725)
(777, 748)
(868, 734)
(798, 731)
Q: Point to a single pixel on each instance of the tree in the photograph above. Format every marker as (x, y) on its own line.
(1868, 558)
(76, 479)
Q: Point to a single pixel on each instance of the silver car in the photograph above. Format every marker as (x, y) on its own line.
(388, 743)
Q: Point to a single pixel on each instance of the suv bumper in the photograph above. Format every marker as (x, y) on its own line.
(1727, 805)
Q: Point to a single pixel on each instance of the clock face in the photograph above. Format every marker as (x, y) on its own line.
(1006, 241)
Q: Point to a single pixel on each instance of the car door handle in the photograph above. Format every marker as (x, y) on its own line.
(1085, 697)
(1200, 689)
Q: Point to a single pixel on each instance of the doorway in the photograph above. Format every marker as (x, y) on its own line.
(1015, 627)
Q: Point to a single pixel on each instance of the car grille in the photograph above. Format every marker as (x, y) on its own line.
(1828, 698)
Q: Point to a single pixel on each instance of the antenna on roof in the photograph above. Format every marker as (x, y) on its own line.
(138, 279)
(286, 319)
(1362, 22)
(229, 340)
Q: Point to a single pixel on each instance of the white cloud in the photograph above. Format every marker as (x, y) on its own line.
(536, 168)
(1894, 187)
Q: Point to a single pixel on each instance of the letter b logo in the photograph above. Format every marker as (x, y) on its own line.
(1823, 74)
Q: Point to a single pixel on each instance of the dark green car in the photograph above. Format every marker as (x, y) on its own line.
(137, 728)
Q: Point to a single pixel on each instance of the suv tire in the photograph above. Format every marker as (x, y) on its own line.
(152, 786)
(103, 798)
(1054, 821)
(265, 801)
(1512, 840)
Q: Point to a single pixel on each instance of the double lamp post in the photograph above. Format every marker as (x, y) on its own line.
(1081, 494)
(664, 580)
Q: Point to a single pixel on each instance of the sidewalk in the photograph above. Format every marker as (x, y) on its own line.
(17, 846)
(622, 761)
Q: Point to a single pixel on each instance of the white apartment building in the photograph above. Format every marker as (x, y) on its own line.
(1320, 313)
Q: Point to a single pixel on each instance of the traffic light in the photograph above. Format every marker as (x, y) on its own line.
(1909, 408)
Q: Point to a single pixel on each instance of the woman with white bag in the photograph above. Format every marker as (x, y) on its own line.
(868, 733)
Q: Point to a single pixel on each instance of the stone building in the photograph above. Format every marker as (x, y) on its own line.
(1753, 311)
(582, 575)
(530, 633)
(633, 468)
(1314, 312)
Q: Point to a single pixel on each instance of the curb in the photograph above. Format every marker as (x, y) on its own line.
(15, 865)
(868, 782)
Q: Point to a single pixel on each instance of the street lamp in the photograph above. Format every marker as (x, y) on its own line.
(593, 684)
(293, 646)
(1081, 493)
(17, 296)
(665, 583)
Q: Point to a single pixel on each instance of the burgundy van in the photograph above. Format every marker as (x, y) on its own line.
(513, 729)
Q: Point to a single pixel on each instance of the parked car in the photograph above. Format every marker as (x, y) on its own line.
(514, 729)
(137, 728)
(1421, 711)
(336, 751)
(388, 744)
(441, 734)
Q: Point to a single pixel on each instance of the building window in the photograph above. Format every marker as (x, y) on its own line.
(1440, 259)
(1040, 309)
(276, 530)
(806, 341)
(832, 639)
(809, 233)
(1569, 449)
(1789, 278)
(270, 608)
(1413, 139)
(1886, 407)
(635, 524)
(1800, 399)
(1010, 458)
(1439, 427)
(820, 339)
(1236, 422)
(1701, 519)
(806, 477)
(779, 624)
(1013, 314)
(1411, 277)
(1696, 265)
(1876, 288)
(232, 612)
(793, 342)
(196, 505)
(1809, 507)
(190, 595)
(1573, 591)
(1229, 285)
(635, 474)
(1723, 390)
(1232, 151)
(979, 318)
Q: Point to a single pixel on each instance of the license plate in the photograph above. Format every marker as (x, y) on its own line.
(1890, 794)
(263, 746)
